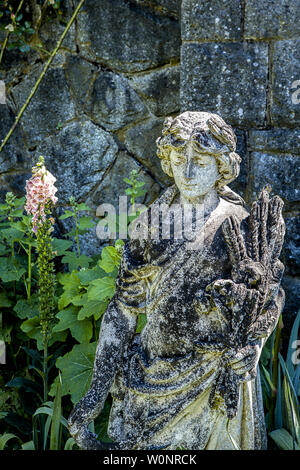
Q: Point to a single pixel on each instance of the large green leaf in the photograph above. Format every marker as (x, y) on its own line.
(32, 329)
(87, 275)
(110, 258)
(11, 269)
(81, 330)
(71, 285)
(75, 261)
(93, 307)
(77, 368)
(86, 222)
(284, 440)
(60, 247)
(27, 308)
(4, 300)
(101, 289)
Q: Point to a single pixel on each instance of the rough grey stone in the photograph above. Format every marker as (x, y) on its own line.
(160, 89)
(51, 32)
(280, 171)
(112, 186)
(53, 27)
(285, 107)
(218, 20)
(50, 106)
(78, 156)
(272, 19)
(291, 247)
(14, 156)
(13, 182)
(126, 36)
(228, 79)
(114, 104)
(140, 141)
(275, 140)
(291, 287)
(168, 7)
(80, 77)
(240, 183)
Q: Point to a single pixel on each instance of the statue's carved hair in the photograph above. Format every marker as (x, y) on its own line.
(213, 136)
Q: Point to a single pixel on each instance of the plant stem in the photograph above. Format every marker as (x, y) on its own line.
(76, 229)
(41, 75)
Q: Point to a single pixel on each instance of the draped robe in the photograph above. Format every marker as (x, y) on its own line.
(161, 389)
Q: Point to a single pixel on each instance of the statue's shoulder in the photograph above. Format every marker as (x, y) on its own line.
(238, 210)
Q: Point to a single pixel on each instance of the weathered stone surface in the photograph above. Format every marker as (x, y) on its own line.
(140, 141)
(126, 36)
(285, 104)
(221, 19)
(229, 79)
(51, 32)
(275, 140)
(272, 19)
(291, 287)
(80, 77)
(78, 156)
(50, 106)
(291, 247)
(112, 186)
(178, 382)
(240, 183)
(168, 7)
(280, 171)
(160, 89)
(114, 104)
(13, 182)
(14, 156)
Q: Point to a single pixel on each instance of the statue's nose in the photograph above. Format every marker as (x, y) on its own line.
(189, 161)
(189, 171)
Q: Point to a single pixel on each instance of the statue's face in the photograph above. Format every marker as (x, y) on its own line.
(195, 173)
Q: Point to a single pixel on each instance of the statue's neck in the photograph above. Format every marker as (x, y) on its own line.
(206, 203)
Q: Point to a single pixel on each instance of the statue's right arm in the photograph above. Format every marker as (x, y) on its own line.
(117, 329)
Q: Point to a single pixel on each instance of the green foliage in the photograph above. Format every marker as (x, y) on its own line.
(281, 388)
(136, 187)
(76, 369)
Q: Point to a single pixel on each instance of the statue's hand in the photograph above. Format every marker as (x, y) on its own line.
(245, 361)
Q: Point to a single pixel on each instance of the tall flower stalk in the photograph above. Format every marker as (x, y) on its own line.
(40, 198)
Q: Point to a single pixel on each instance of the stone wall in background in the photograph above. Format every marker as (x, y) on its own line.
(125, 65)
(241, 59)
(100, 107)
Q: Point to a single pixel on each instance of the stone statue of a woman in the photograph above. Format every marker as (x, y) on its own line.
(190, 379)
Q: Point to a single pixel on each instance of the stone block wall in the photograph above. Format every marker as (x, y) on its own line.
(127, 64)
(101, 105)
(241, 59)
